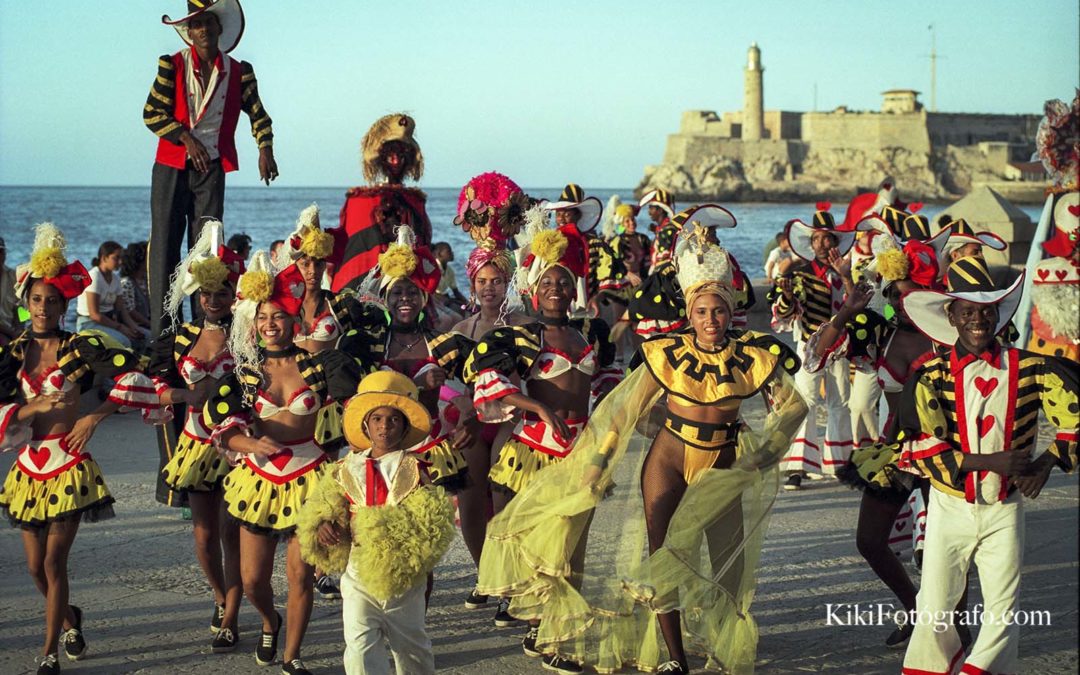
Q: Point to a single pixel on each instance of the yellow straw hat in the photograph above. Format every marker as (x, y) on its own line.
(390, 389)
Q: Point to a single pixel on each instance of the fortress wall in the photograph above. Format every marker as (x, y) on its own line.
(865, 131)
(695, 121)
(968, 129)
(689, 151)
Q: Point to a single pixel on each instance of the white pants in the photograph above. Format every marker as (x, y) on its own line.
(957, 533)
(370, 624)
(865, 393)
(809, 452)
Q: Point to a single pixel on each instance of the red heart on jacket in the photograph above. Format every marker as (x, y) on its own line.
(1060, 274)
(837, 282)
(57, 380)
(986, 386)
(1043, 273)
(985, 424)
(39, 456)
(1074, 209)
(281, 459)
(899, 525)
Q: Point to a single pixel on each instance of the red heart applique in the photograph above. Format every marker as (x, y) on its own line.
(309, 402)
(258, 406)
(1074, 209)
(281, 459)
(985, 425)
(330, 329)
(534, 432)
(986, 386)
(1043, 273)
(546, 365)
(836, 282)
(39, 456)
(56, 380)
(900, 524)
(1060, 274)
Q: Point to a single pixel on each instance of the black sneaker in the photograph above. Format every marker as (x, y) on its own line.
(327, 587)
(899, 637)
(528, 643)
(225, 641)
(672, 667)
(794, 482)
(476, 601)
(48, 665)
(503, 619)
(561, 665)
(294, 667)
(266, 650)
(74, 642)
(217, 618)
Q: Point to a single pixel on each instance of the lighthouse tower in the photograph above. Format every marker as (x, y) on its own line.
(753, 106)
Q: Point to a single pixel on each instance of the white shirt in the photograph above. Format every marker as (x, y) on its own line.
(107, 292)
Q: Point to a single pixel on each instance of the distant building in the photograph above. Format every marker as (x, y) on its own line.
(744, 153)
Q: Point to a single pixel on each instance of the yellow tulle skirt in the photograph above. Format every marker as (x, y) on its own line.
(78, 492)
(603, 615)
(265, 507)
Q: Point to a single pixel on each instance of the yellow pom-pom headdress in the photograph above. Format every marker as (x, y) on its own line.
(261, 283)
(892, 265)
(404, 259)
(47, 262)
(542, 248)
(308, 239)
(208, 266)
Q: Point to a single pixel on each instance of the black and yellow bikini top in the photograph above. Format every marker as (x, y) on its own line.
(738, 370)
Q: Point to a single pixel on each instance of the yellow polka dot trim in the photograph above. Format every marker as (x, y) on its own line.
(225, 390)
(789, 364)
(223, 407)
(774, 349)
(482, 348)
(119, 360)
(861, 333)
(861, 318)
(657, 298)
(93, 341)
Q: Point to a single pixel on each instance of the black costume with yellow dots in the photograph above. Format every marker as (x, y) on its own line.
(263, 503)
(515, 350)
(48, 483)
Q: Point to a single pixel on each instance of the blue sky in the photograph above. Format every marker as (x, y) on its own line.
(583, 91)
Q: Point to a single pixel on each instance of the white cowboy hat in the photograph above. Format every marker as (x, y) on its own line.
(229, 13)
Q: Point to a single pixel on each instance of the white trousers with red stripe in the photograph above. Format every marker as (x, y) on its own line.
(369, 625)
(810, 452)
(957, 533)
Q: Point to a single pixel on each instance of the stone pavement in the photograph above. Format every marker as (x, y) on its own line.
(147, 607)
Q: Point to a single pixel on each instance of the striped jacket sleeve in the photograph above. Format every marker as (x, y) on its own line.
(252, 105)
(160, 104)
(924, 431)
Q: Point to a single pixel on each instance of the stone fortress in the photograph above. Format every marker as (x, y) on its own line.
(777, 155)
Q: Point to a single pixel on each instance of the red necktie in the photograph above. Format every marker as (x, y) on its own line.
(375, 488)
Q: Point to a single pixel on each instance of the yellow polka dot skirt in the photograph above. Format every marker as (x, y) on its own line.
(196, 466)
(78, 492)
(265, 507)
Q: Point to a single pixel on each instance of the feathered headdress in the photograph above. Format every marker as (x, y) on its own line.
(395, 127)
(404, 259)
(47, 262)
(894, 259)
(1058, 143)
(308, 239)
(258, 285)
(702, 265)
(209, 265)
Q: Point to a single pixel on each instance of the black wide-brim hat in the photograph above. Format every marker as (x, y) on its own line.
(967, 279)
(229, 13)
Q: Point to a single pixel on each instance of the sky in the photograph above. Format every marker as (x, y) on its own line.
(548, 93)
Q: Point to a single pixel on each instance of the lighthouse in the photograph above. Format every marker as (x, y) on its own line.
(753, 106)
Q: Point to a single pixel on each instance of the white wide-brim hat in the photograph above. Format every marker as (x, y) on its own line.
(590, 209)
(799, 234)
(229, 13)
(926, 309)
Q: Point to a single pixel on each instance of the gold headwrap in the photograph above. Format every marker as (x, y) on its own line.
(725, 291)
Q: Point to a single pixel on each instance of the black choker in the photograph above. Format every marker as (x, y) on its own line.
(41, 335)
(405, 330)
(554, 320)
(291, 350)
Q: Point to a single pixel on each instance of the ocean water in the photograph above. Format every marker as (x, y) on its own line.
(91, 215)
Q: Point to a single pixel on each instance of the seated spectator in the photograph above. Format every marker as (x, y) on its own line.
(779, 258)
(10, 326)
(98, 308)
(133, 288)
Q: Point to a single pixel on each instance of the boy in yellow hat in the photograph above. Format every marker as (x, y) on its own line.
(379, 520)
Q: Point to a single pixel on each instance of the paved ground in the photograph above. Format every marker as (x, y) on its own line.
(147, 606)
